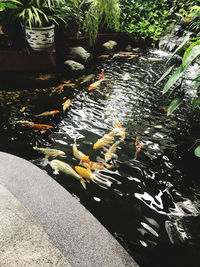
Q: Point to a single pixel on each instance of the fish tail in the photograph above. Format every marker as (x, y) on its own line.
(83, 183)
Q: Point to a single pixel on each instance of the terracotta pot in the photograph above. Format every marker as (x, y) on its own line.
(40, 38)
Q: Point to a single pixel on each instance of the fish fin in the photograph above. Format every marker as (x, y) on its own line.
(83, 183)
(43, 131)
(56, 171)
(88, 180)
(36, 131)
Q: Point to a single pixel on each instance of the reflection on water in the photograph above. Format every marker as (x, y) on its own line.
(149, 202)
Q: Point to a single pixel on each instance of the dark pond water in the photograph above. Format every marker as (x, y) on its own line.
(151, 204)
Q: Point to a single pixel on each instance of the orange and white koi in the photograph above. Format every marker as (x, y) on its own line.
(105, 140)
(138, 146)
(47, 113)
(66, 104)
(59, 165)
(92, 165)
(78, 154)
(123, 54)
(110, 153)
(38, 127)
(96, 84)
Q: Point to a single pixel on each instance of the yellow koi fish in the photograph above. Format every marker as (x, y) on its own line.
(78, 154)
(66, 104)
(110, 153)
(119, 129)
(105, 140)
(59, 165)
(88, 175)
(87, 78)
(95, 84)
(47, 113)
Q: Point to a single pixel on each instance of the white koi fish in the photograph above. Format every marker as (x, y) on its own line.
(96, 84)
(49, 152)
(59, 165)
(110, 153)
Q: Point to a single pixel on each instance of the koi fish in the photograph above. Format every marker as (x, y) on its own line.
(78, 154)
(48, 113)
(104, 56)
(59, 165)
(87, 78)
(38, 127)
(58, 89)
(66, 104)
(138, 146)
(101, 75)
(106, 139)
(110, 153)
(49, 152)
(126, 77)
(92, 165)
(96, 84)
(125, 54)
(119, 129)
(88, 175)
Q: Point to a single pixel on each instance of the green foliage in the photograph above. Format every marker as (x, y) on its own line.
(7, 4)
(105, 12)
(152, 18)
(36, 13)
(197, 151)
(190, 55)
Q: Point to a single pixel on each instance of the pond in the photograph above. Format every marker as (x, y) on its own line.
(149, 199)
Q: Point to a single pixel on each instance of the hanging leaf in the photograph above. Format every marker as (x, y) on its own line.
(191, 53)
(173, 78)
(197, 151)
(196, 103)
(173, 105)
(164, 75)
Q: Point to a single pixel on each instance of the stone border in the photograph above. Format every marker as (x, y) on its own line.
(73, 229)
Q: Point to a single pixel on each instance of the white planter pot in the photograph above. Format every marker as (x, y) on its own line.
(40, 38)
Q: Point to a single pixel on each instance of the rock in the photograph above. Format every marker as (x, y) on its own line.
(79, 53)
(110, 44)
(73, 65)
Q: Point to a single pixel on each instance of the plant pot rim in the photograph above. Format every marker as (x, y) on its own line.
(43, 28)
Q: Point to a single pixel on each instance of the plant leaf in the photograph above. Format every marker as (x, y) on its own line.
(173, 78)
(191, 53)
(197, 151)
(164, 75)
(173, 105)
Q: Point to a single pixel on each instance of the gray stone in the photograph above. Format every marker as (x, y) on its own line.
(110, 44)
(23, 242)
(82, 240)
(73, 65)
(79, 53)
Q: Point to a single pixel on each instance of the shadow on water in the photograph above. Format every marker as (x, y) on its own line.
(151, 202)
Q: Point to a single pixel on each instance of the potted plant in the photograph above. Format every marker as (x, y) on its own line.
(39, 17)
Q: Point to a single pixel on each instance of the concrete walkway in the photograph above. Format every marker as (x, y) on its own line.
(41, 224)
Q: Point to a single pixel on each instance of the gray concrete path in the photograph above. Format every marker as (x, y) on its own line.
(53, 220)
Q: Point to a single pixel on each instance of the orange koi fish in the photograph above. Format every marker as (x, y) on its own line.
(101, 76)
(138, 146)
(47, 113)
(78, 154)
(96, 84)
(38, 127)
(105, 140)
(58, 89)
(92, 165)
(66, 104)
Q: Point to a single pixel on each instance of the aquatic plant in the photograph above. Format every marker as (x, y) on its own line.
(104, 12)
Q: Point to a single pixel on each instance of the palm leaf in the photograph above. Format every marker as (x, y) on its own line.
(173, 78)
(174, 104)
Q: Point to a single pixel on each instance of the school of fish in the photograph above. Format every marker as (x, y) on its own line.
(87, 169)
